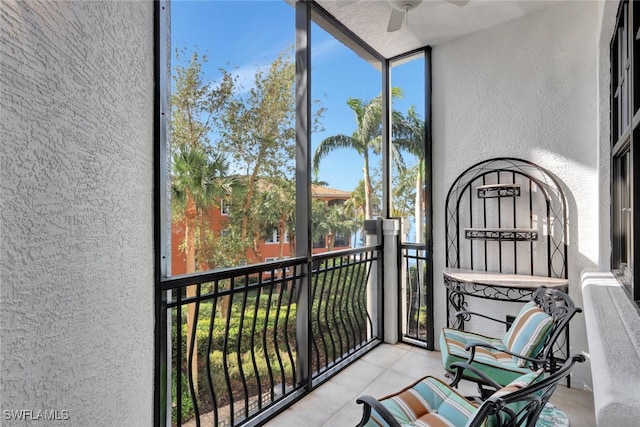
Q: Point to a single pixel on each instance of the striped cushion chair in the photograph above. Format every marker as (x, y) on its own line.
(429, 402)
(525, 347)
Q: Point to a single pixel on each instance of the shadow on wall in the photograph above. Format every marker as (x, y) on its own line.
(577, 263)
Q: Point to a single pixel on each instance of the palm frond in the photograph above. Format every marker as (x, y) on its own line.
(330, 144)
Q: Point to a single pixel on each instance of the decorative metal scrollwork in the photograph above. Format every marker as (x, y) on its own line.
(478, 290)
(456, 301)
(511, 235)
(499, 190)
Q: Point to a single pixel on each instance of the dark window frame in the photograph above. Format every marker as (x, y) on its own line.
(625, 130)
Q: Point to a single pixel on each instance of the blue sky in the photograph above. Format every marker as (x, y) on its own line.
(250, 34)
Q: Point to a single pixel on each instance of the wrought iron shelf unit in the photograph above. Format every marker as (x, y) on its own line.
(498, 190)
(504, 234)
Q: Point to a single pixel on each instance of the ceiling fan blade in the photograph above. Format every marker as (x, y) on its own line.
(395, 20)
(459, 2)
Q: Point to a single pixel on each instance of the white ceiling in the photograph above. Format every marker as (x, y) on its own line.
(431, 23)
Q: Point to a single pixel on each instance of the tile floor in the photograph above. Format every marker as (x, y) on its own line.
(389, 368)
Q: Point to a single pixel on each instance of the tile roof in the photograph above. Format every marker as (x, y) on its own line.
(322, 191)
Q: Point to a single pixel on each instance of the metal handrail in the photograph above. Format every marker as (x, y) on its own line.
(234, 355)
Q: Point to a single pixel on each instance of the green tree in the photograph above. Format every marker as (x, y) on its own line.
(330, 221)
(410, 131)
(338, 224)
(277, 211)
(355, 208)
(365, 140)
(257, 130)
(319, 223)
(404, 194)
(356, 202)
(197, 174)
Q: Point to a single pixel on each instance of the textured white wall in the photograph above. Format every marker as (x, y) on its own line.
(76, 224)
(525, 89)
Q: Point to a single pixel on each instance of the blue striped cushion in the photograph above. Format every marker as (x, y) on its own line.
(497, 364)
(428, 402)
(528, 332)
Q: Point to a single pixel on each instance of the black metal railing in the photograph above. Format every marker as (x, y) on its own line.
(417, 325)
(232, 348)
(340, 323)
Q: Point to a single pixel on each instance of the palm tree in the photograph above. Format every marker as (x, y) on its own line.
(338, 223)
(356, 202)
(411, 137)
(320, 226)
(366, 138)
(354, 208)
(196, 184)
(404, 196)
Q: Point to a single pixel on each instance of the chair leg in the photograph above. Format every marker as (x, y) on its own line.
(456, 377)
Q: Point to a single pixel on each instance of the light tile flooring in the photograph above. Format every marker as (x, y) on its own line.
(387, 369)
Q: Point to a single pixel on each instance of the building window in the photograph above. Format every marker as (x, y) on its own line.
(273, 236)
(625, 130)
(225, 206)
(341, 239)
(319, 242)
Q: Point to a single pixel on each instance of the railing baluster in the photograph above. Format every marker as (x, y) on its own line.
(179, 357)
(361, 298)
(337, 304)
(348, 307)
(357, 299)
(326, 273)
(317, 333)
(256, 311)
(225, 353)
(265, 346)
(193, 388)
(212, 391)
(275, 338)
(286, 335)
(243, 379)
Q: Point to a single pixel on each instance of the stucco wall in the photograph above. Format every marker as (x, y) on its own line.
(525, 89)
(76, 224)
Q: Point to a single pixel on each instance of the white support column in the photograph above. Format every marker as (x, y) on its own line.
(390, 232)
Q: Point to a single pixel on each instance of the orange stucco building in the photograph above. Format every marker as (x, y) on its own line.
(270, 247)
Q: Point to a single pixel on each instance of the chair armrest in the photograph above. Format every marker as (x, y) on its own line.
(372, 403)
(468, 314)
(462, 366)
(471, 348)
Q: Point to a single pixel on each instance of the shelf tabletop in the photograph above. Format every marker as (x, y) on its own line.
(505, 280)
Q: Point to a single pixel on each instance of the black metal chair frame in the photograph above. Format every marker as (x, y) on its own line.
(553, 302)
(533, 398)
